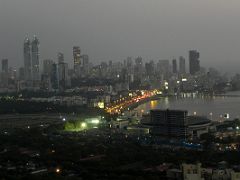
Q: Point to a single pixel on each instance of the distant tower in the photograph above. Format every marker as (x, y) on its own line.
(4, 74)
(5, 65)
(47, 66)
(182, 66)
(54, 76)
(77, 59)
(21, 73)
(174, 66)
(63, 76)
(60, 57)
(138, 68)
(35, 59)
(194, 63)
(27, 60)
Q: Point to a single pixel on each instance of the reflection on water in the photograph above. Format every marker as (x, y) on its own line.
(213, 107)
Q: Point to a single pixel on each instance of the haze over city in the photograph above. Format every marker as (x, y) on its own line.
(113, 29)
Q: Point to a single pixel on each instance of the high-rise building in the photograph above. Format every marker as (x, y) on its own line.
(163, 68)
(12, 74)
(169, 123)
(27, 60)
(60, 57)
(63, 76)
(149, 66)
(35, 59)
(138, 68)
(77, 60)
(194, 63)
(54, 76)
(5, 65)
(21, 73)
(85, 64)
(182, 66)
(4, 73)
(85, 60)
(174, 66)
(47, 66)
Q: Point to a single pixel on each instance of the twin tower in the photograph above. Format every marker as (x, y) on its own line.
(31, 59)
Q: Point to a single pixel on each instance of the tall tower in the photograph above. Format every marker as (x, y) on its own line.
(77, 59)
(182, 66)
(60, 57)
(174, 66)
(35, 59)
(63, 76)
(27, 60)
(194, 63)
(4, 73)
(54, 76)
(5, 65)
(47, 66)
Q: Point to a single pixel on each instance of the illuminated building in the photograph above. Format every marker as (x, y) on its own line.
(77, 60)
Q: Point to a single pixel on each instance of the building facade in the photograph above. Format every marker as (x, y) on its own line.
(169, 123)
(194, 63)
(35, 59)
(27, 60)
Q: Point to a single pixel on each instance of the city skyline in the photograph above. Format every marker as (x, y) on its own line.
(115, 30)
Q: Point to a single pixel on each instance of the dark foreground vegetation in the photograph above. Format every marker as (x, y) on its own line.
(93, 154)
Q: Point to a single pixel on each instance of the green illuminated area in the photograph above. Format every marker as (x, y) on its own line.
(80, 125)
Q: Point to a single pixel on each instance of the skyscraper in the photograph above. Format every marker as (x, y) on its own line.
(194, 63)
(54, 76)
(21, 73)
(5, 65)
(149, 66)
(138, 68)
(60, 57)
(47, 66)
(63, 76)
(174, 66)
(27, 60)
(163, 68)
(77, 59)
(85, 64)
(4, 73)
(35, 59)
(182, 66)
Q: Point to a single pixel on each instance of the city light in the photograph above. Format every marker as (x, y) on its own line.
(95, 121)
(84, 125)
(101, 105)
(58, 170)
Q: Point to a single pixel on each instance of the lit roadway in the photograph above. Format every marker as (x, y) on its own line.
(119, 105)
